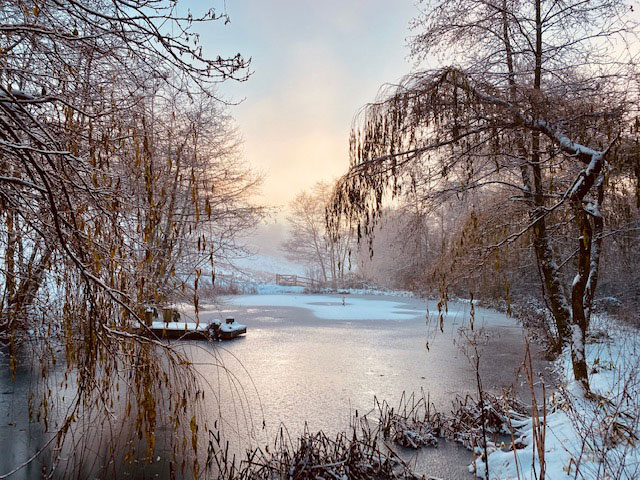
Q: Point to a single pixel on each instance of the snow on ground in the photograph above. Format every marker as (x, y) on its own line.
(265, 267)
(381, 291)
(272, 289)
(331, 307)
(587, 439)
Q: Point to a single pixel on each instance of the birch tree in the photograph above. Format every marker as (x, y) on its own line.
(534, 100)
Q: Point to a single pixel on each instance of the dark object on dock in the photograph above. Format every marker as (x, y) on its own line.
(228, 330)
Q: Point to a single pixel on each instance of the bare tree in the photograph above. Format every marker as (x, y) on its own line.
(404, 246)
(187, 193)
(536, 109)
(309, 240)
(119, 180)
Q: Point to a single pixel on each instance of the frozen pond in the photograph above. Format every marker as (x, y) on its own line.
(316, 359)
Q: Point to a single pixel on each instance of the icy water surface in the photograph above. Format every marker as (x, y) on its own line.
(320, 363)
(315, 360)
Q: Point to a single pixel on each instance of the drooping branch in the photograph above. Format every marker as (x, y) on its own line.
(437, 122)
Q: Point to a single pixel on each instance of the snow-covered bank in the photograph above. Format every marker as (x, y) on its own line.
(274, 289)
(586, 439)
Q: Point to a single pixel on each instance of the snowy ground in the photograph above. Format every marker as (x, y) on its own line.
(265, 266)
(272, 289)
(587, 439)
(256, 272)
(267, 288)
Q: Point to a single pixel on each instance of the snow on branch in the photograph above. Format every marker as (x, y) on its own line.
(444, 126)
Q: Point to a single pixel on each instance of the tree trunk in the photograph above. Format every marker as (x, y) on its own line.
(553, 290)
(579, 324)
(596, 249)
(332, 256)
(551, 283)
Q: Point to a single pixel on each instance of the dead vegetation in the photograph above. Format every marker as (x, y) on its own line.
(366, 450)
(415, 422)
(356, 454)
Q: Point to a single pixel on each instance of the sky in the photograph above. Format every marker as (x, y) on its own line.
(314, 64)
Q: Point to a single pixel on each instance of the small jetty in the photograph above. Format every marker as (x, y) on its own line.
(171, 326)
(182, 330)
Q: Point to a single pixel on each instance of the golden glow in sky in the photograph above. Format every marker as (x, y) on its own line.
(314, 65)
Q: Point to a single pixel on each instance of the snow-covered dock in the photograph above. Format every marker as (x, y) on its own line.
(171, 326)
